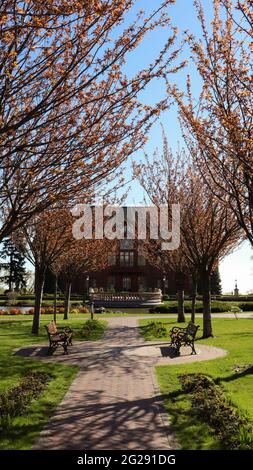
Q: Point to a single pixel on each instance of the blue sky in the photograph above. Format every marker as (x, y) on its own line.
(238, 265)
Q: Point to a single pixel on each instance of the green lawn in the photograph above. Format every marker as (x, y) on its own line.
(15, 333)
(236, 336)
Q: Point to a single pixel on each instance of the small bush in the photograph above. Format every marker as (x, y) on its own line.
(156, 329)
(49, 311)
(83, 310)
(165, 298)
(246, 307)
(165, 309)
(74, 311)
(235, 309)
(216, 307)
(14, 311)
(92, 326)
(220, 307)
(212, 406)
(80, 310)
(15, 401)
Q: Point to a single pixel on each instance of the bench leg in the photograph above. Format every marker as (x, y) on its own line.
(52, 348)
(177, 348)
(65, 347)
(193, 349)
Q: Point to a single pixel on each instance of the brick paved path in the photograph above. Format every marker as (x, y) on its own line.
(114, 401)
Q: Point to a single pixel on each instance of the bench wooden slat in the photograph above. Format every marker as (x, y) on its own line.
(58, 338)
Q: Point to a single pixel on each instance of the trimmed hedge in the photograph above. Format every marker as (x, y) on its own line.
(246, 307)
(217, 307)
(211, 405)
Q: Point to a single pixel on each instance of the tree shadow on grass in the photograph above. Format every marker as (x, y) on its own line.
(191, 431)
(235, 376)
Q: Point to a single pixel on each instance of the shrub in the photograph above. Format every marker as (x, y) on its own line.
(15, 401)
(170, 309)
(212, 406)
(14, 311)
(83, 310)
(217, 307)
(165, 309)
(3, 312)
(23, 303)
(75, 311)
(246, 307)
(49, 311)
(80, 310)
(235, 309)
(90, 327)
(156, 329)
(165, 298)
(220, 307)
(43, 311)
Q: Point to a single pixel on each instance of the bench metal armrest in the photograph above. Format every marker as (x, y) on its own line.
(176, 330)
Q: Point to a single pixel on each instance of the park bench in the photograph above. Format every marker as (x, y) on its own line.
(183, 337)
(58, 337)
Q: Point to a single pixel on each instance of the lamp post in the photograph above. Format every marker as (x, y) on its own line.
(87, 285)
(164, 280)
(86, 293)
(55, 296)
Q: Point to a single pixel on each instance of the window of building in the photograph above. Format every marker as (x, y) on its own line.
(141, 260)
(111, 283)
(112, 260)
(159, 284)
(126, 283)
(126, 258)
(142, 283)
(126, 244)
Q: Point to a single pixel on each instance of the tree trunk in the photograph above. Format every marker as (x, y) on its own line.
(92, 311)
(180, 302)
(55, 297)
(67, 300)
(194, 297)
(180, 297)
(39, 286)
(207, 319)
(11, 274)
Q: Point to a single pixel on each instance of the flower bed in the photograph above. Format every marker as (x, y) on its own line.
(15, 401)
(44, 311)
(211, 405)
(11, 311)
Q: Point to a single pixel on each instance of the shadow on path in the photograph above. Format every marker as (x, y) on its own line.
(116, 424)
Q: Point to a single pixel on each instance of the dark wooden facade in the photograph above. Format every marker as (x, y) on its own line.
(128, 271)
